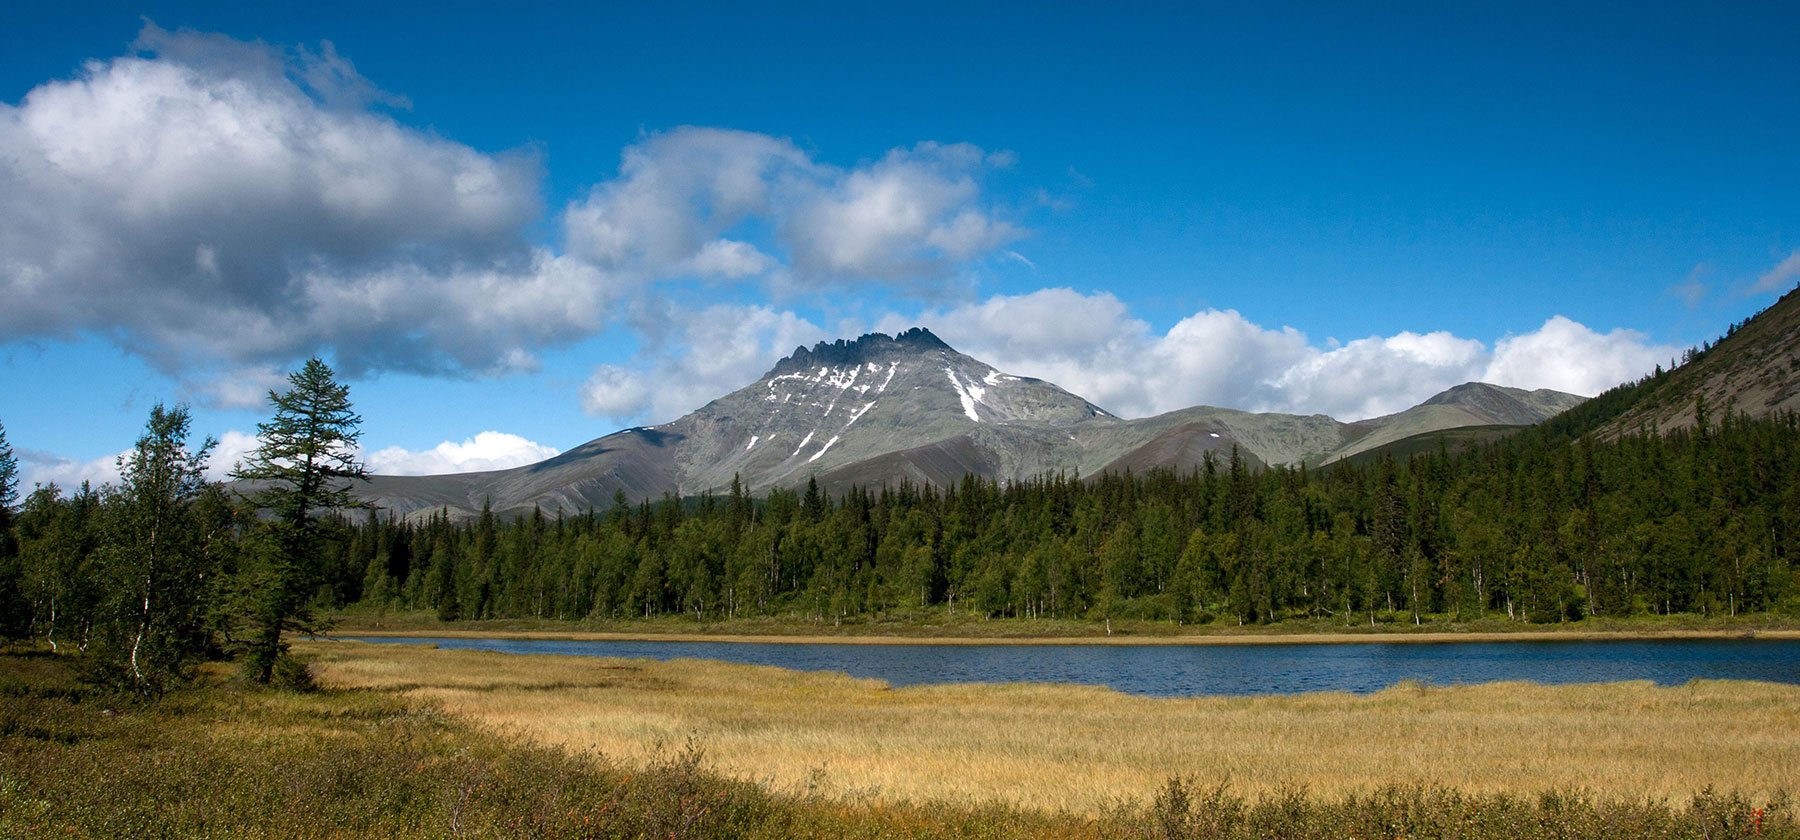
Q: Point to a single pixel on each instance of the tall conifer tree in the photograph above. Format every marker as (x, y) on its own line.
(300, 471)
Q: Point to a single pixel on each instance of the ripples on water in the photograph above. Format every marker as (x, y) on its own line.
(1185, 670)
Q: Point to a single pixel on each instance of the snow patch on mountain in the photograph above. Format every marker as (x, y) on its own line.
(968, 395)
(859, 413)
(822, 449)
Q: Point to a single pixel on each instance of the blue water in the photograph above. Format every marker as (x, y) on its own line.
(1183, 670)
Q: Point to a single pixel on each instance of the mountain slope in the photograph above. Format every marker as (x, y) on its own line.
(1754, 369)
(884, 409)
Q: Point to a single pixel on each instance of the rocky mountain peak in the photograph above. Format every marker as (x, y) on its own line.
(864, 349)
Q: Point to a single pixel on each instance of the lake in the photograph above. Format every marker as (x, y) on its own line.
(1186, 670)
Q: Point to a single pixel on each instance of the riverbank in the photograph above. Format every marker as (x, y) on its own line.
(1080, 748)
(974, 631)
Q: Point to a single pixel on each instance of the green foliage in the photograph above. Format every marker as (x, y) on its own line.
(150, 626)
(58, 540)
(1533, 528)
(15, 615)
(301, 471)
(9, 477)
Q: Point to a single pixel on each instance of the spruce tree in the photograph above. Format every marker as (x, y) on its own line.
(300, 472)
(9, 477)
(14, 614)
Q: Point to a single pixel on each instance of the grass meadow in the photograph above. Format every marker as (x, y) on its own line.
(414, 742)
(1084, 749)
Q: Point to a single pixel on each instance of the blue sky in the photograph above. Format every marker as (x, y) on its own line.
(548, 224)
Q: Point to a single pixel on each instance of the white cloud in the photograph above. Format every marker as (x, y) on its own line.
(43, 468)
(213, 202)
(223, 209)
(616, 391)
(705, 354)
(1093, 346)
(908, 218)
(730, 259)
(1780, 277)
(676, 193)
(1567, 356)
(1373, 376)
(489, 450)
(244, 387)
(231, 448)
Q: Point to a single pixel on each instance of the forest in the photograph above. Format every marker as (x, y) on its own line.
(165, 569)
(1533, 528)
(1542, 526)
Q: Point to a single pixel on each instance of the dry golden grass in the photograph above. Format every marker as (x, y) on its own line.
(1077, 748)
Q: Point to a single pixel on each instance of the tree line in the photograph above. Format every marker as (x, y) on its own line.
(1542, 526)
(1534, 528)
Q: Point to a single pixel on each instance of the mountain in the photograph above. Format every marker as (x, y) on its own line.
(1469, 404)
(881, 409)
(1754, 369)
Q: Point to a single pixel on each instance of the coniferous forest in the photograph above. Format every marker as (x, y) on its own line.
(1542, 526)
(1534, 528)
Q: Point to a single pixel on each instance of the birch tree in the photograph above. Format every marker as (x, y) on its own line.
(157, 572)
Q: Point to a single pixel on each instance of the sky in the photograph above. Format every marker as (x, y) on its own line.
(512, 231)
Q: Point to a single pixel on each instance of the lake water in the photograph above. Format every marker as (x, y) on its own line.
(1185, 670)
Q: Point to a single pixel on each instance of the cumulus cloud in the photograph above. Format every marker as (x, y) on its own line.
(209, 201)
(616, 391)
(909, 218)
(1376, 375)
(1566, 356)
(224, 208)
(1092, 345)
(707, 353)
(232, 447)
(41, 469)
(1779, 278)
(489, 450)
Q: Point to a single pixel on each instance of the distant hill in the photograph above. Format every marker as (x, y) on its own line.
(1471, 404)
(883, 409)
(1449, 440)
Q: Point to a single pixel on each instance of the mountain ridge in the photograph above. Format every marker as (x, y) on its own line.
(883, 408)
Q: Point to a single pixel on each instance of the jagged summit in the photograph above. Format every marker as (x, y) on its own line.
(860, 350)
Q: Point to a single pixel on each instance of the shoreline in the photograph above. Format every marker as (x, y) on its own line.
(1433, 637)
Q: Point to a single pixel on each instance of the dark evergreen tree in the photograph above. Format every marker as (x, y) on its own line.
(301, 471)
(15, 615)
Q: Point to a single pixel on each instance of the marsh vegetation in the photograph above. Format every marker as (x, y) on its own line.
(1080, 748)
(431, 759)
